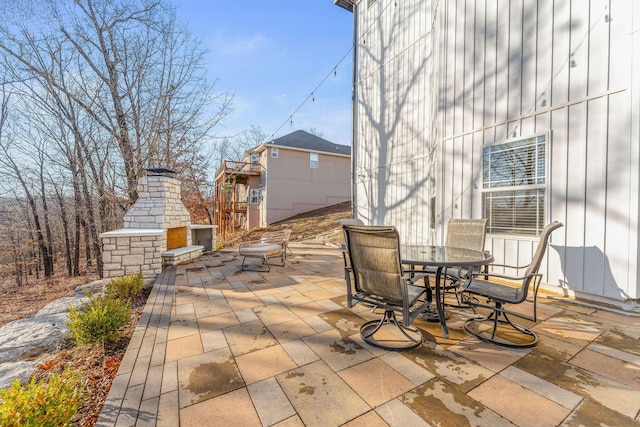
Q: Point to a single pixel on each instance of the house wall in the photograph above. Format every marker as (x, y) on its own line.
(393, 147)
(436, 81)
(293, 187)
(254, 210)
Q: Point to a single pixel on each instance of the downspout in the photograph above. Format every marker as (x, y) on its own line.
(263, 194)
(354, 115)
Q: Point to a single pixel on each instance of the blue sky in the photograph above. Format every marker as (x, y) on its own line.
(272, 55)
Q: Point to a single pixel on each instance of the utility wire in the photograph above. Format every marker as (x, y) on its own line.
(333, 70)
(311, 95)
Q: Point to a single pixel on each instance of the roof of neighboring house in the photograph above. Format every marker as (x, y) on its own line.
(305, 141)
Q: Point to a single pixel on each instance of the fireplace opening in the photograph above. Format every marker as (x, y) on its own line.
(176, 237)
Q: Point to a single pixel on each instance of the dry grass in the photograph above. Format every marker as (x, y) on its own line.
(20, 302)
(320, 225)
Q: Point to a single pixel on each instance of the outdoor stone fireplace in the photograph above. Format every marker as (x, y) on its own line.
(157, 231)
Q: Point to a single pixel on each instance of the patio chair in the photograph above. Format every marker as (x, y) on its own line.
(467, 234)
(343, 222)
(345, 256)
(349, 221)
(489, 328)
(270, 245)
(461, 233)
(285, 242)
(284, 234)
(379, 281)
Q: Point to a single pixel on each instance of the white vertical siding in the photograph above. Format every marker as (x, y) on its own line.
(393, 110)
(561, 68)
(634, 162)
(488, 71)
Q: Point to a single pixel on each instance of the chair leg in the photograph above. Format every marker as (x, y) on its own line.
(464, 301)
(263, 262)
(412, 334)
(497, 318)
(282, 261)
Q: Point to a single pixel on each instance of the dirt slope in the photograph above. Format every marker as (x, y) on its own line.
(320, 224)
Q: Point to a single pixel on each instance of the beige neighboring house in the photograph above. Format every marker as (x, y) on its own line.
(296, 173)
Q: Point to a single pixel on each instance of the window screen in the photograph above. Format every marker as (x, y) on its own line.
(514, 186)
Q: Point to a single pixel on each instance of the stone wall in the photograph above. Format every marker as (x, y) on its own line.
(129, 251)
(158, 205)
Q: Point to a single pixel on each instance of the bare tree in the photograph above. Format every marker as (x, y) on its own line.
(134, 70)
(108, 87)
(233, 148)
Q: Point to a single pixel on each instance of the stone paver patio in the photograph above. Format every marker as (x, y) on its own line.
(216, 346)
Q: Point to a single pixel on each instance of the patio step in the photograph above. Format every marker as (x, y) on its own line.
(181, 255)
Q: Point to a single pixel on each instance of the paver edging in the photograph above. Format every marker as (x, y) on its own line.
(122, 407)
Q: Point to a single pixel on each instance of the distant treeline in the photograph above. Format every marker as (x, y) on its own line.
(91, 93)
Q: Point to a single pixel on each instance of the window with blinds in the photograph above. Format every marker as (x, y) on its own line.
(514, 186)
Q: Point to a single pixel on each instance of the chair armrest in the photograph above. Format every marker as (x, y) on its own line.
(252, 243)
(415, 277)
(503, 276)
(509, 266)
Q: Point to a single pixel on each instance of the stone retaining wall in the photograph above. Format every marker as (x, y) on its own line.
(127, 251)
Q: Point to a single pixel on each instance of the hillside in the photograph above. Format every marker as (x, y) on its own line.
(320, 224)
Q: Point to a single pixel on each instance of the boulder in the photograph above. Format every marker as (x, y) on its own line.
(62, 305)
(23, 340)
(92, 288)
(28, 338)
(21, 371)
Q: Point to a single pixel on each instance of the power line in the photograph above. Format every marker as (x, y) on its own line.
(311, 95)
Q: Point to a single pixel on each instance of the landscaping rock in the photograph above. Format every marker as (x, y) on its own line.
(21, 371)
(92, 288)
(62, 305)
(29, 338)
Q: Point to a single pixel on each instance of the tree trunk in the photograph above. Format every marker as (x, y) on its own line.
(77, 201)
(48, 259)
(65, 229)
(91, 232)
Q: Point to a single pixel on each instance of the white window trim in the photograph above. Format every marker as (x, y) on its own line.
(311, 160)
(274, 152)
(545, 186)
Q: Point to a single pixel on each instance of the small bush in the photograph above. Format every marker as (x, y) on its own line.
(43, 403)
(126, 287)
(98, 320)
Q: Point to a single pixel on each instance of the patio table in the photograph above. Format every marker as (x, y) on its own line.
(442, 257)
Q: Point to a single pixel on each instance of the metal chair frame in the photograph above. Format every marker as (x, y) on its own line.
(467, 234)
(499, 294)
(269, 246)
(379, 281)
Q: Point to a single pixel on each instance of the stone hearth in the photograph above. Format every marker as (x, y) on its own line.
(157, 231)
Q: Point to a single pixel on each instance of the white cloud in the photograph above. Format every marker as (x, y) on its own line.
(238, 45)
(280, 99)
